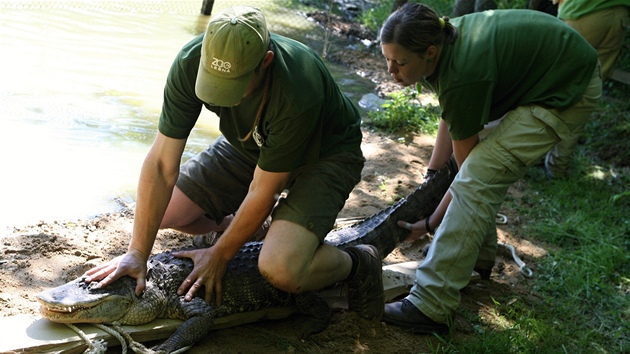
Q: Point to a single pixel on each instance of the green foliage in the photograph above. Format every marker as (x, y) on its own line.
(441, 7)
(512, 4)
(617, 197)
(404, 113)
(374, 17)
(610, 123)
(583, 280)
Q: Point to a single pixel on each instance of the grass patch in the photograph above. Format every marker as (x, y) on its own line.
(403, 112)
(584, 280)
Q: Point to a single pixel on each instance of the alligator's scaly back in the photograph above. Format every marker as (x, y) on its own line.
(382, 230)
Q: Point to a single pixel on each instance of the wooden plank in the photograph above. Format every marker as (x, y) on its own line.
(621, 76)
(33, 334)
(398, 279)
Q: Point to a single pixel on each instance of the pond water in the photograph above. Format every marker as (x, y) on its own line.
(80, 97)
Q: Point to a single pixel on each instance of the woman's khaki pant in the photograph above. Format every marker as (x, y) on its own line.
(467, 235)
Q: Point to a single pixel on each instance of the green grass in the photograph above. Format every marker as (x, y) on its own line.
(582, 284)
(403, 112)
(584, 279)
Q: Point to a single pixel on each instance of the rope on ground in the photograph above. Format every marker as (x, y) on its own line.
(94, 347)
(114, 333)
(522, 267)
(501, 219)
(100, 346)
(135, 346)
(138, 347)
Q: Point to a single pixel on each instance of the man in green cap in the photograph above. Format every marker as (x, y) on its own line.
(285, 125)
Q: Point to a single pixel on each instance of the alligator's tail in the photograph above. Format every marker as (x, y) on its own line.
(382, 230)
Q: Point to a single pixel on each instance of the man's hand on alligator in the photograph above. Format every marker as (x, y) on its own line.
(101, 271)
(127, 264)
(209, 270)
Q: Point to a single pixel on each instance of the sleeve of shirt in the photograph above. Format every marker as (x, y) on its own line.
(466, 108)
(181, 107)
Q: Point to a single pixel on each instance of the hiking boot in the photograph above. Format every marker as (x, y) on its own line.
(483, 273)
(365, 289)
(406, 315)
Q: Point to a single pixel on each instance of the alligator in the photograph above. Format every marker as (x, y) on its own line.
(244, 289)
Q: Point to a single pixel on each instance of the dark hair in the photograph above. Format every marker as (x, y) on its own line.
(417, 27)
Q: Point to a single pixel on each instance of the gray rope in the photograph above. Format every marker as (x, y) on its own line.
(522, 267)
(114, 333)
(501, 219)
(100, 346)
(94, 347)
(138, 347)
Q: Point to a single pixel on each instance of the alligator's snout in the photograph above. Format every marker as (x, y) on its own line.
(79, 300)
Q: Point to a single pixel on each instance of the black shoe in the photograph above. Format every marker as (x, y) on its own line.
(484, 273)
(484, 268)
(365, 289)
(404, 314)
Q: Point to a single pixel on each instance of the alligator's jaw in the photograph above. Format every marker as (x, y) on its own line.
(78, 302)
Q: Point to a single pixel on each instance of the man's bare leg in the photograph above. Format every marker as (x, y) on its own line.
(182, 214)
(293, 260)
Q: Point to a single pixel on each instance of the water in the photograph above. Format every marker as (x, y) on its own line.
(80, 96)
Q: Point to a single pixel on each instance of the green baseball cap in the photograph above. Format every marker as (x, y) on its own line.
(234, 44)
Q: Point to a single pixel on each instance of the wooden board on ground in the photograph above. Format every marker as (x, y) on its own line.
(33, 334)
(621, 76)
(398, 279)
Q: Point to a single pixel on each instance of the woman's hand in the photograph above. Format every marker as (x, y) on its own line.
(417, 229)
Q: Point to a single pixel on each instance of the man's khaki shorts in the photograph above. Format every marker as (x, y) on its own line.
(218, 178)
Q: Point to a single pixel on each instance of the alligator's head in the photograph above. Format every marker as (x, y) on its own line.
(80, 302)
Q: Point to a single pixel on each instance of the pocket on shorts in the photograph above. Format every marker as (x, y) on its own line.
(528, 134)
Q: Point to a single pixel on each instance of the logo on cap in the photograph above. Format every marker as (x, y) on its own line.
(220, 65)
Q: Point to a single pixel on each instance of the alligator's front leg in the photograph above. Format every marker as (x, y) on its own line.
(198, 319)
